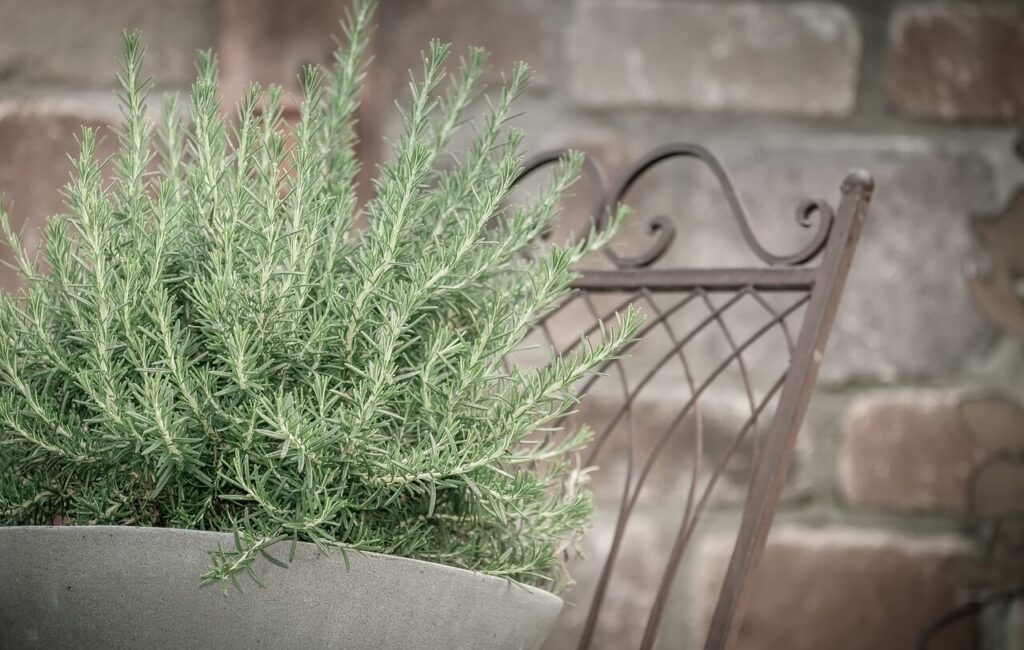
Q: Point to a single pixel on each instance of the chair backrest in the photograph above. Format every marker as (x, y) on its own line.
(792, 297)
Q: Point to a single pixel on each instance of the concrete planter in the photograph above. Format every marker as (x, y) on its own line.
(121, 587)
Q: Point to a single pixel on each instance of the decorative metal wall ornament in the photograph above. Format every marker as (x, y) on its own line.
(995, 489)
(995, 511)
(775, 414)
(996, 274)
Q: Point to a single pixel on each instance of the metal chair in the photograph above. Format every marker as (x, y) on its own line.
(797, 295)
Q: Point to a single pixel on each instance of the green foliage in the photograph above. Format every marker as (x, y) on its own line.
(209, 343)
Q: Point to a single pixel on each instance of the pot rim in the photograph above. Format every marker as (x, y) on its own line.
(191, 532)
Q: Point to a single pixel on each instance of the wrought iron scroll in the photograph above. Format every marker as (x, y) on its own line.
(795, 294)
(663, 230)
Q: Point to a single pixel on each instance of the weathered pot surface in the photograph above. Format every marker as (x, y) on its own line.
(124, 587)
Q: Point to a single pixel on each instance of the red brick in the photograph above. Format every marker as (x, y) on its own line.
(906, 451)
(837, 588)
(35, 142)
(797, 58)
(510, 31)
(958, 61)
(268, 42)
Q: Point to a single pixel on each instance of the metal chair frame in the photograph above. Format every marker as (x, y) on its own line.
(816, 274)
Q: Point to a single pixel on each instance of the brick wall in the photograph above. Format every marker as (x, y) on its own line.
(790, 94)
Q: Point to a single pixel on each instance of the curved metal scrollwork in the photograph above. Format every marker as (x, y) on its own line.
(662, 229)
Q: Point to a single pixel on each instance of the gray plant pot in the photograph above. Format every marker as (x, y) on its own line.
(122, 587)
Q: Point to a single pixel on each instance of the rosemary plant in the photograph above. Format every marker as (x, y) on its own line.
(208, 343)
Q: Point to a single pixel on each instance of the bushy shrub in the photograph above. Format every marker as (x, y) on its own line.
(208, 342)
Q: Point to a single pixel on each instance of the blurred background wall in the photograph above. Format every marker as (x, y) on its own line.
(926, 95)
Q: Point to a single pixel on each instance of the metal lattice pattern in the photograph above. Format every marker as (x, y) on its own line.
(754, 334)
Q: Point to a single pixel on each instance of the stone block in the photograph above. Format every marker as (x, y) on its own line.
(269, 42)
(838, 588)
(906, 451)
(78, 43)
(796, 58)
(957, 61)
(510, 32)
